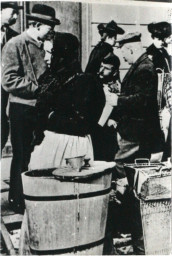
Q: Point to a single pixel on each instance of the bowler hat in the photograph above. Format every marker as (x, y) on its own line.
(130, 38)
(112, 29)
(13, 5)
(43, 13)
(160, 30)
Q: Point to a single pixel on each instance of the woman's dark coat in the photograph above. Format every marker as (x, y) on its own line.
(66, 105)
(160, 58)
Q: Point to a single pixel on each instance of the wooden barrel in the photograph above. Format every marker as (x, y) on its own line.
(67, 213)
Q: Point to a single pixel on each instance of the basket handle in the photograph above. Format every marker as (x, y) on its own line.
(141, 160)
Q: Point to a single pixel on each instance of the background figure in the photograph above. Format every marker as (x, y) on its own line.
(108, 39)
(168, 97)
(161, 59)
(22, 65)
(9, 14)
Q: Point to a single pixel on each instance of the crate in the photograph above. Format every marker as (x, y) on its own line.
(156, 188)
(149, 181)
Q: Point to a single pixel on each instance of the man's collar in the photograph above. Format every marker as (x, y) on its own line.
(33, 40)
(108, 45)
(104, 44)
(110, 82)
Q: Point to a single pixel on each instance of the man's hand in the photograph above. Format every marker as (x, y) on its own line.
(166, 116)
(112, 123)
(156, 157)
(37, 138)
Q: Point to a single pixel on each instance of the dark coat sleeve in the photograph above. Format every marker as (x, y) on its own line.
(143, 93)
(11, 33)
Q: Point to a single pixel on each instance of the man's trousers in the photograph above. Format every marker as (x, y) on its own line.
(22, 123)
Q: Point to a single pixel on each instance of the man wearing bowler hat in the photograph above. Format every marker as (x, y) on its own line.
(22, 65)
(9, 14)
(108, 34)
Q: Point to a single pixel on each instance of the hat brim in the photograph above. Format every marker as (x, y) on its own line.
(134, 39)
(120, 31)
(44, 20)
(116, 31)
(8, 5)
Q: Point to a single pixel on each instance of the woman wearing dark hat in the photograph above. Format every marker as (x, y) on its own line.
(160, 33)
(104, 47)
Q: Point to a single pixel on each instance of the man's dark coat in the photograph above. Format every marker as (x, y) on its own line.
(137, 110)
(103, 138)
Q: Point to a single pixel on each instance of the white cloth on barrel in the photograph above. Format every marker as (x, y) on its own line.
(55, 148)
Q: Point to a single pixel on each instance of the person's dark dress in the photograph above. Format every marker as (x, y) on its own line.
(162, 62)
(100, 51)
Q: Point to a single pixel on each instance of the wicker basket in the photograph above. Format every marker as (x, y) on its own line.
(150, 181)
(156, 224)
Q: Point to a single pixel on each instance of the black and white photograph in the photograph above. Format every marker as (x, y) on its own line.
(86, 105)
